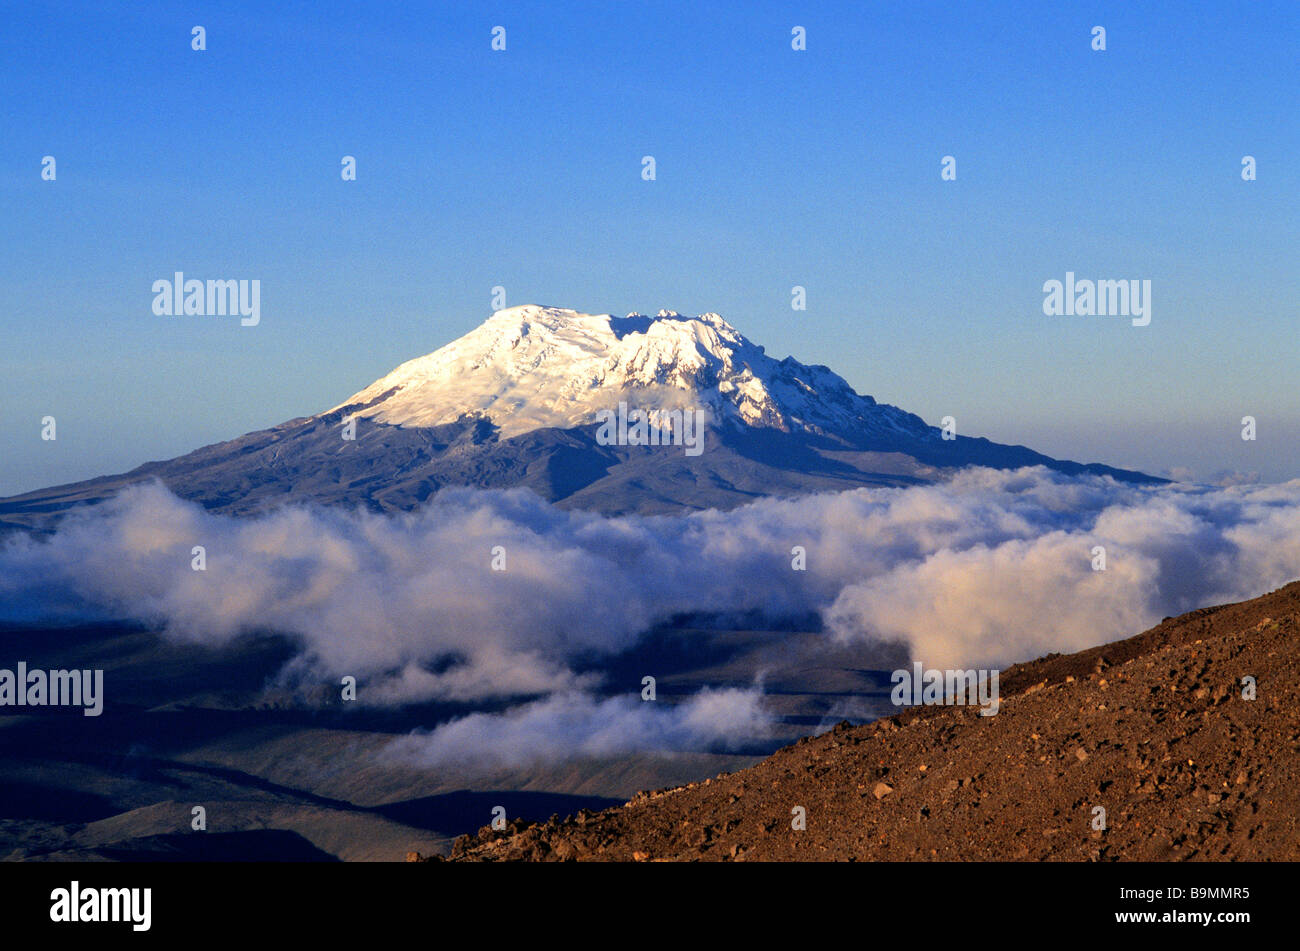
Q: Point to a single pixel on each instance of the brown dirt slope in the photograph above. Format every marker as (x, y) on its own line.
(1154, 729)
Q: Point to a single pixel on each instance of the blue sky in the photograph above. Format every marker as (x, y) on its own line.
(774, 168)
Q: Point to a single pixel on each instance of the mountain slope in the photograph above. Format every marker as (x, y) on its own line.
(1153, 729)
(516, 403)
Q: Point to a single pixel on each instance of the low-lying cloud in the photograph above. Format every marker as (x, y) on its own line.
(576, 724)
(989, 568)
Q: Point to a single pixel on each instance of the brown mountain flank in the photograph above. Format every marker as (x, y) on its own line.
(1153, 729)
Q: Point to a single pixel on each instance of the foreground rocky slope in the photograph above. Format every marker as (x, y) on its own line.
(1153, 729)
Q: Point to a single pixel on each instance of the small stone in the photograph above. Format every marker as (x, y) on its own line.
(882, 790)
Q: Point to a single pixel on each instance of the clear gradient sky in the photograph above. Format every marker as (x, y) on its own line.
(774, 168)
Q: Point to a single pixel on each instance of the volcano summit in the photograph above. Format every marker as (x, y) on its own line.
(519, 402)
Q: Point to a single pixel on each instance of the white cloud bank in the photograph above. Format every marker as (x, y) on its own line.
(987, 569)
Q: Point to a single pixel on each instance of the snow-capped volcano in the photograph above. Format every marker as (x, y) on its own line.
(535, 367)
(516, 403)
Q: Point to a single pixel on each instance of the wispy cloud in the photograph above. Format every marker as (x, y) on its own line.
(575, 724)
